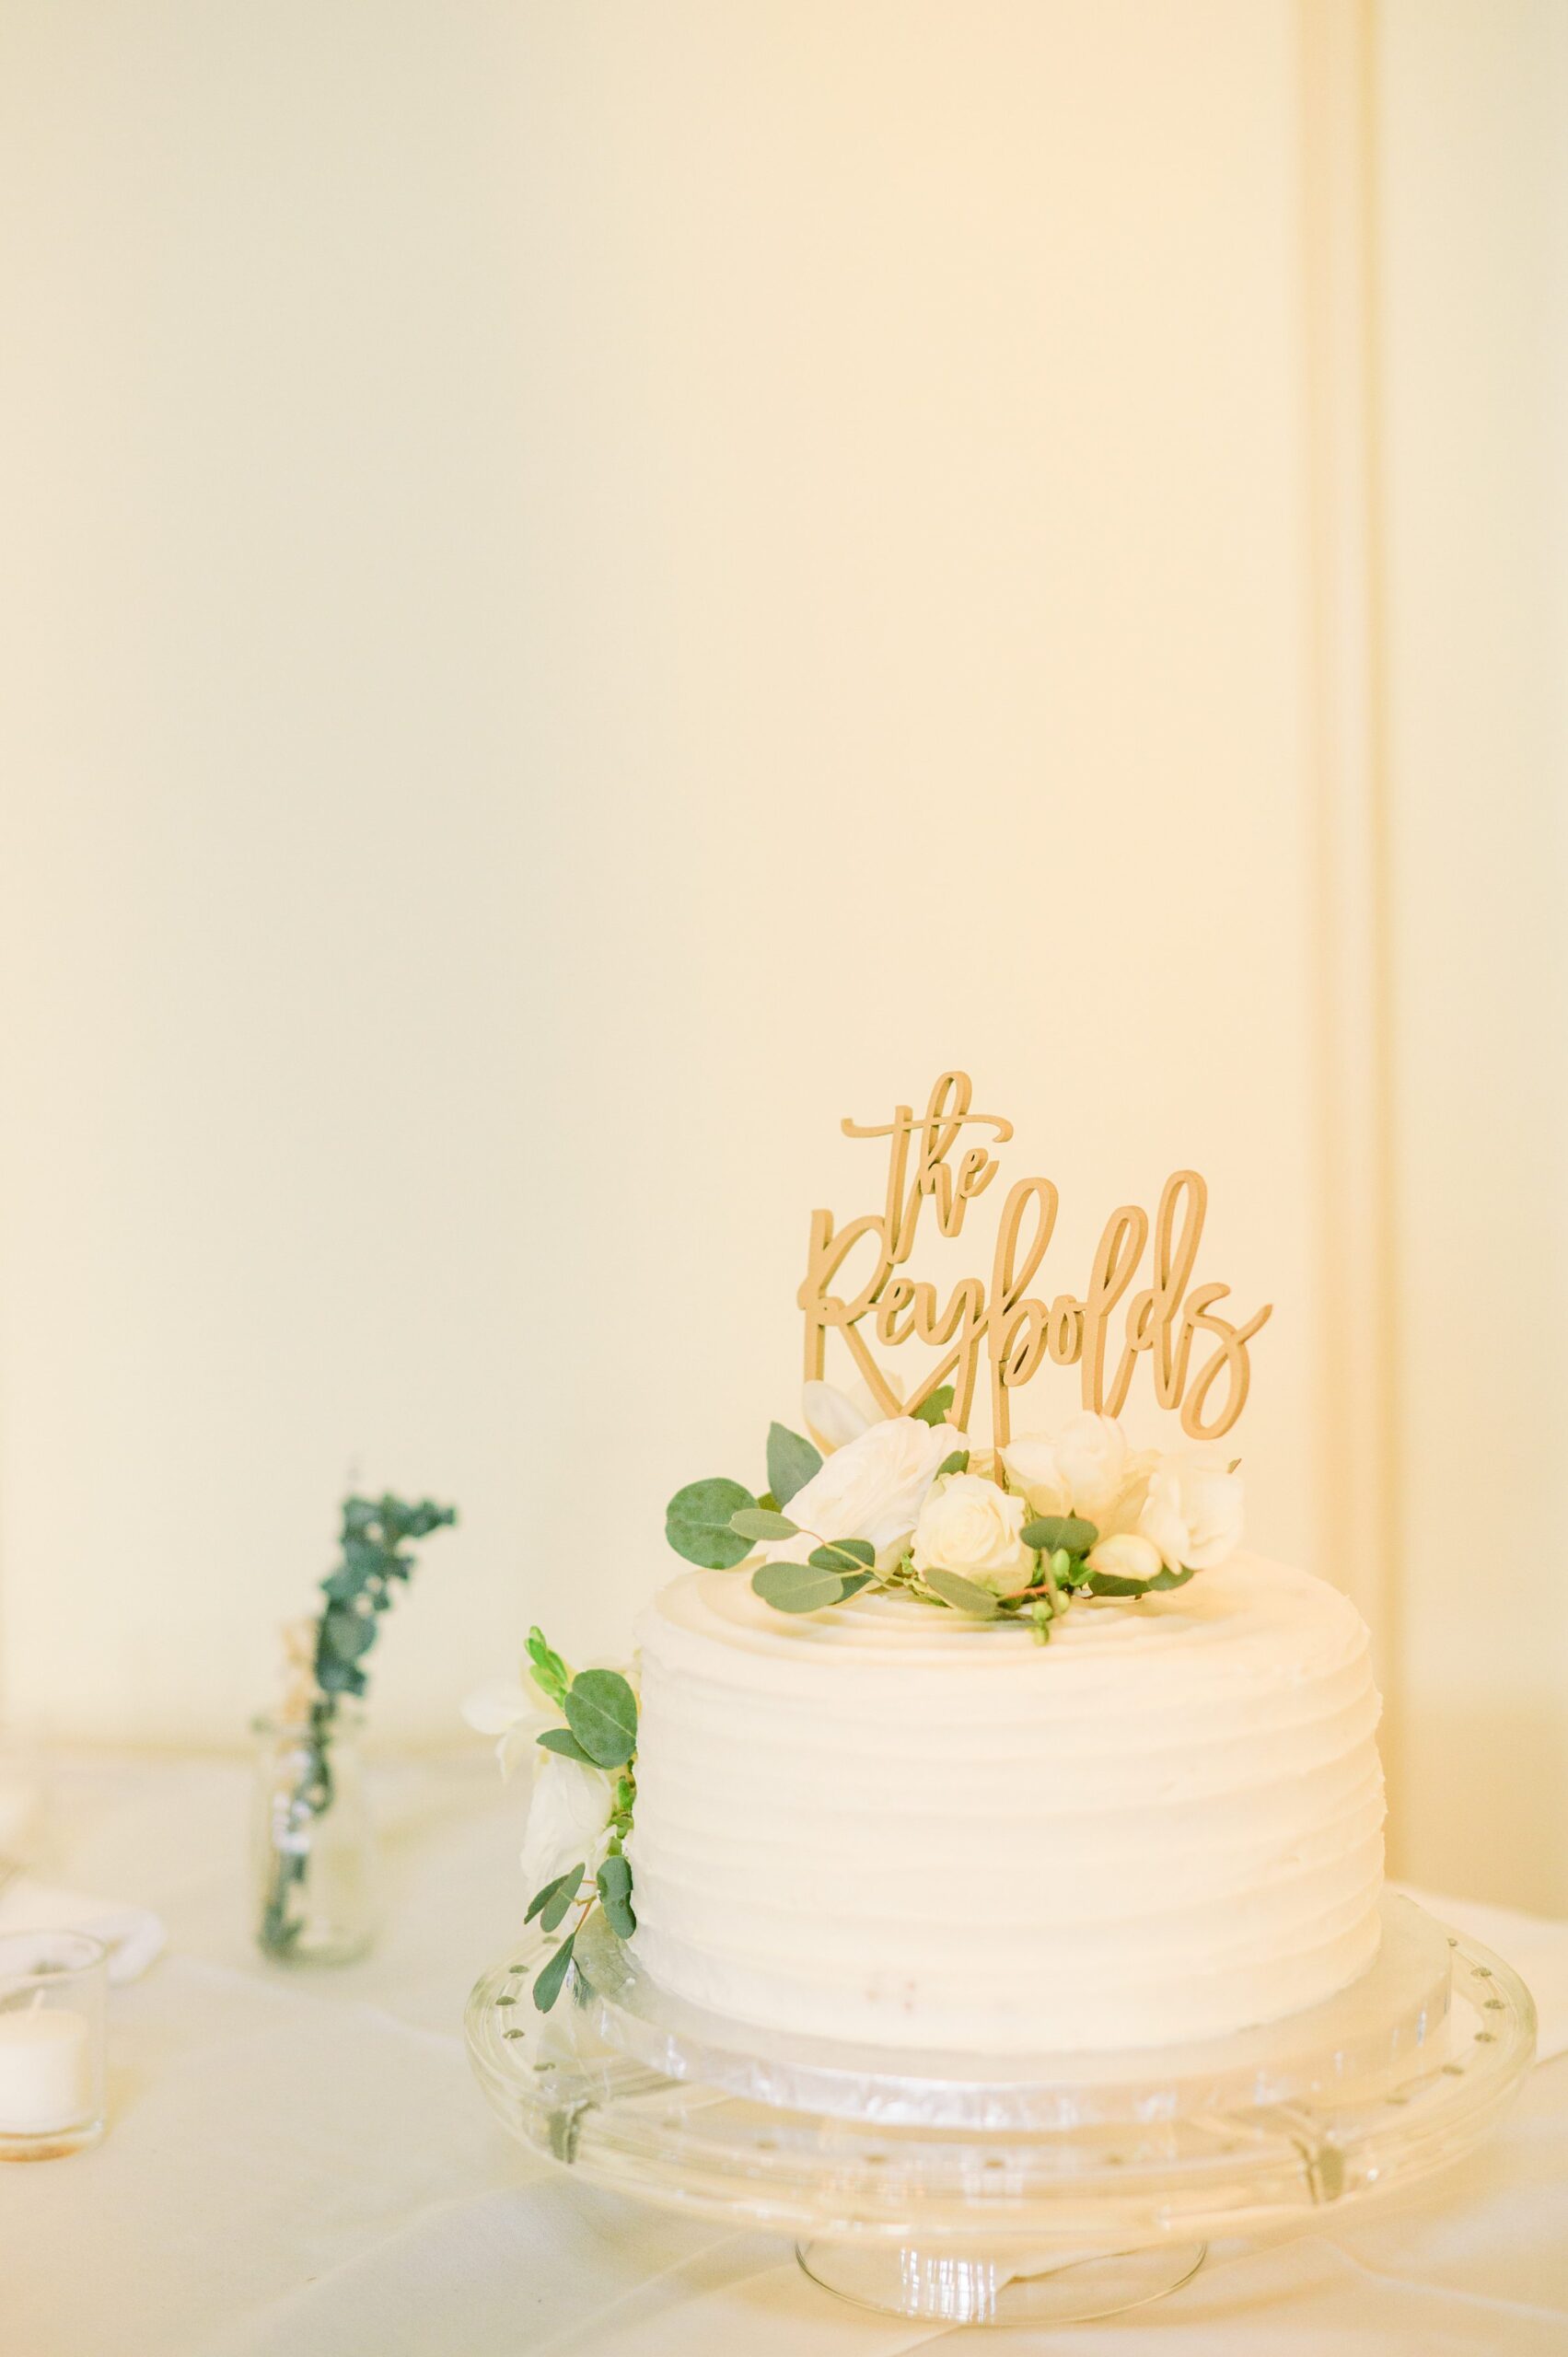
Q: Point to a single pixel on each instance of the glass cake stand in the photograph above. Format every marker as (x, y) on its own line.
(984, 2189)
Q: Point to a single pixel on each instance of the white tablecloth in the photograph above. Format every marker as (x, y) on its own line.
(301, 2165)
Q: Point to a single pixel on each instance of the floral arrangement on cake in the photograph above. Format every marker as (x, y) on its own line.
(1022, 1534)
(904, 1503)
(584, 1791)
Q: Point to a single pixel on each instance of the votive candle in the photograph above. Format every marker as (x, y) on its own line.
(51, 2007)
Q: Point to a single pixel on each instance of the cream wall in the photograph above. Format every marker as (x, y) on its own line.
(601, 589)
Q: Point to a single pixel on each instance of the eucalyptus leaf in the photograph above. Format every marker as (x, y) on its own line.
(838, 1555)
(934, 1410)
(560, 1740)
(601, 1711)
(957, 1463)
(792, 1461)
(349, 1633)
(1108, 1583)
(800, 1588)
(1050, 1531)
(697, 1523)
(756, 1522)
(553, 1916)
(566, 1883)
(963, 1595)
(546, 1987)
(336, 1676)
(615, 1896)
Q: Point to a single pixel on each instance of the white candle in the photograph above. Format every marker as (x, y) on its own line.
(45, 2070)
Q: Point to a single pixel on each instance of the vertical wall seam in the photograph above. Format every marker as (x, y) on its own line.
(1356, 1350)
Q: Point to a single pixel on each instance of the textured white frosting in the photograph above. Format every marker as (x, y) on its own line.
(884, 1822)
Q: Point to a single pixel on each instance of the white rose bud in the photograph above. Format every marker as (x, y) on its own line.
(1192, 1513)
(872, 1487)
(569, 1813)
(834, 1418)
(1125, 1556)
(970, 1527)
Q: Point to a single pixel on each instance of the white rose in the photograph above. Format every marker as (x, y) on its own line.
(871, 1488)
(1126, 1509)
(1084, 1470)
(969, 1525)
(1092, 1455)
(569, 1813)
(1035, 1470)
(1192, 1513)
(1125, 1556)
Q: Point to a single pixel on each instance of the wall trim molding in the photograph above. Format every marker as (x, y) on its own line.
(1347, 804)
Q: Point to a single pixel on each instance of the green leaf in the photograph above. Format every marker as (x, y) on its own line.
(546, 1987)
(697, 1523)
(1108, 1583)
(549, 1669)
(349, 1633)
(552, 1915)
(798, 1587)
(841, 1554)
(957, 1463)
(550, 1903)
(543, 1896)
(791, 1462)
(559, 1739)
(962, 1594)
(934, 1410)
(335, 1676)
(1052, 1531)
(615, 1896)
(601, 1711)
(756, 1522)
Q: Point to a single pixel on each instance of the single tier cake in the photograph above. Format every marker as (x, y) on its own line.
(890, 1823)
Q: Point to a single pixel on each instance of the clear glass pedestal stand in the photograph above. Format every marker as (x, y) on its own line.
(1036, 2187)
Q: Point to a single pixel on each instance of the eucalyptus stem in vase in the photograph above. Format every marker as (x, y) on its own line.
(312, 1835)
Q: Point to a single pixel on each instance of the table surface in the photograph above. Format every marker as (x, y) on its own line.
(300, 2164)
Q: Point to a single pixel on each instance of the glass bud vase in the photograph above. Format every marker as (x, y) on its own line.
(314, 1858)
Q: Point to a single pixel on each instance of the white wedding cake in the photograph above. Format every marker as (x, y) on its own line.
(956, 1740)
(890, 1824)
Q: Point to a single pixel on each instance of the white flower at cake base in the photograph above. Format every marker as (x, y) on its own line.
(872, 1487)
(568, 1820)
(1192, 1513)
(970, 1527)
(513, 1713)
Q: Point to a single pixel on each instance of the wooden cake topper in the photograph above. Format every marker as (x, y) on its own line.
(1004, 1324)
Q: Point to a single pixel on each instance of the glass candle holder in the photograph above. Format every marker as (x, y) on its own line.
(314, 1853)
(52, 2004)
